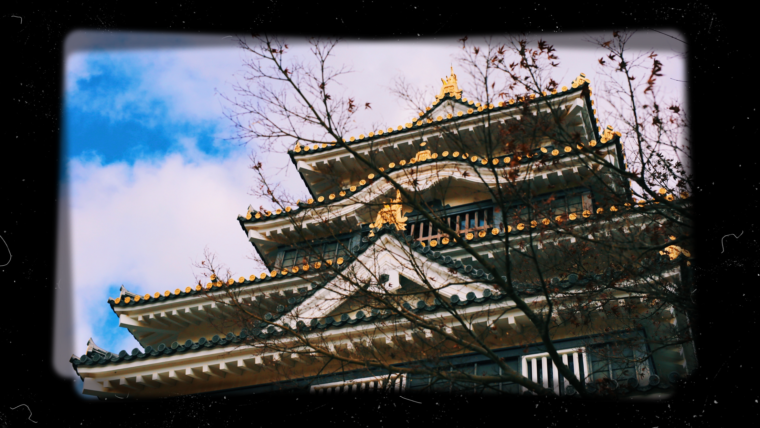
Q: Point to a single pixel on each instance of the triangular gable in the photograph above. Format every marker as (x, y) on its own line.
(386, 259)
(448, 105)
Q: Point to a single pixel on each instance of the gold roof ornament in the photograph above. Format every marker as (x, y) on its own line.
(450, 86)
(580, 80)
(608, 134)
(672, 251)
(421, 156)
(391, 214)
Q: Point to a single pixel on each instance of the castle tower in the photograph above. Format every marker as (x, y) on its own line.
(449, 159)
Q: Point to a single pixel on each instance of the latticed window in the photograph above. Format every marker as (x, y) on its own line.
(326, 251)
(478, 369)
(392, 383)
(541, 369)
(562, 206)
(620, 361)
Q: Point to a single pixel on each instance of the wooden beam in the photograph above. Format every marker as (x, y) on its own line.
(190, 315)
(496, 329)
(181, 315)
(514, 325)
(337, 167)
(160, 338)
(282, 359)
(108, 384)
(145, 336)
(171, 320)
(180, 376)
(147, 380)
(404, 339)
(365, 345)
(315, 229)
(321, 358)
(201, 313)
(214, 310)
(130, 384)
(164, 379)
(213, 371)
(196, 373)
(387, 342)
(265, 363)
(155, 319)
(301, 358)
(349, 349)
(248, 365)
(127, 322)
(230, 367)
(424, 334)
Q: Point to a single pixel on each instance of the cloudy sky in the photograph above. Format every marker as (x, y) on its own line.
(149, 179)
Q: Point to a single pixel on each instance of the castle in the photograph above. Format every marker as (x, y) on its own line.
(357, 225)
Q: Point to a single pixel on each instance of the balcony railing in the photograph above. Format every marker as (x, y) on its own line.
(541, 369)
(463, 223)
(570, 206)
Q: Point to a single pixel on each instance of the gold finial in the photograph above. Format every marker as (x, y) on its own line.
(391, 214)
(450, 86)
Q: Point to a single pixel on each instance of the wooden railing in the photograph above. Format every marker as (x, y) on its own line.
(472, 221)
(541, 369)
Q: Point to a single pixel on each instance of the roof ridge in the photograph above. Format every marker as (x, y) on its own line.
(501, 105)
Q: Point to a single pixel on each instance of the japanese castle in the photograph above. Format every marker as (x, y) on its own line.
(355, 221)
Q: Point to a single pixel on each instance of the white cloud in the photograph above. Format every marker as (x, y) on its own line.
(171, 85)
(141, 225)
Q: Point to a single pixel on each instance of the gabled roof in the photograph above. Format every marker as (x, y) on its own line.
(456, 101)
(432, 122)
(278, 275)
(264, 331)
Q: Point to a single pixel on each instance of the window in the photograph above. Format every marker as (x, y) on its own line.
(484, 368)
(468, 221)
(565, 206)
(541, 369)
(392, 383)
(620, 361)
(326, 251)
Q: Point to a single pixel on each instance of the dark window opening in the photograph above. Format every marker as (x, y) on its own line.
(315, 253)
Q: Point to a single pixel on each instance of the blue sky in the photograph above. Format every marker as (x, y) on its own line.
(149, 180)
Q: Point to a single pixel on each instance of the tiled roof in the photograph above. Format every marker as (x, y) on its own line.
(549, 152)
(265, 331)
(275, 275)
(428, 122)
(579, 84)
(92, 358)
